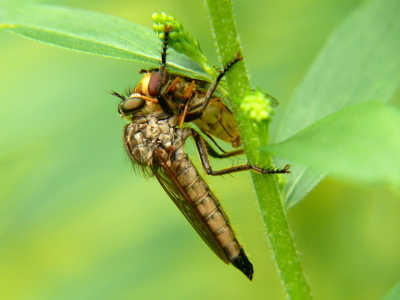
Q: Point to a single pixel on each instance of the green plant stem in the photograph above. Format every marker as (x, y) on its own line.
(278, 231)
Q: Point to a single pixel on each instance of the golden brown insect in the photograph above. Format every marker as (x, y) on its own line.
(154, 140)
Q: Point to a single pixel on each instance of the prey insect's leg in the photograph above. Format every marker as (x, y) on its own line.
(202, 148)
(161, 72)
(186, 98)
(172, 86)
(212, 89)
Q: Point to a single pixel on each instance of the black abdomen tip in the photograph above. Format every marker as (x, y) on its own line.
(243, 264)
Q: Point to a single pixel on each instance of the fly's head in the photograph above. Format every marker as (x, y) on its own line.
(137, 105)
(142, 100)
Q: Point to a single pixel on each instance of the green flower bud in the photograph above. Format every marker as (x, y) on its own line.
(257, 106)
(181, 40)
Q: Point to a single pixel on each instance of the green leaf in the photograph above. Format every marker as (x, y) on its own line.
(394, 293)
(360, 143)
(90, 32)
(359, 63)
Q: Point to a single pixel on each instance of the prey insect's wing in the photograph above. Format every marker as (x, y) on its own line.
(182, 200)
(274, 102)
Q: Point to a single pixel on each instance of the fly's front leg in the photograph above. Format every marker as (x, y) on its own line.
(162, 73)
(212, 89)
(203, 149)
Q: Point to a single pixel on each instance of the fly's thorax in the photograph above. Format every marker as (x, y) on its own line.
(148, 134)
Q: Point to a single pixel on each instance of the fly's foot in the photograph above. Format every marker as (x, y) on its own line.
(274, 170)
(237, 58)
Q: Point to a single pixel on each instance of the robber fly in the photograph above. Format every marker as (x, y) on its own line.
(154, 140)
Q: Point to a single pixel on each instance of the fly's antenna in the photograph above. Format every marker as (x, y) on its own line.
(117, 95)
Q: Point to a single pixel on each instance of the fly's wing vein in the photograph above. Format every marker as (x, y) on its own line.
(186, 206)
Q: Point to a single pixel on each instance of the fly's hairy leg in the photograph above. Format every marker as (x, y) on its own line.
(162, 72)
(215, 143)
(213, 88)
(205, 150)
(213, 153)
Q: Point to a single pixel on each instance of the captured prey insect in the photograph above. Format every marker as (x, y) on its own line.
(154, 140)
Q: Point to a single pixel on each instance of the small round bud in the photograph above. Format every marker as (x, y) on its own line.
(256, 106)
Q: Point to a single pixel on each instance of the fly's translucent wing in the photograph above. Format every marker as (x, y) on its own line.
(274, 102)
(186, 206)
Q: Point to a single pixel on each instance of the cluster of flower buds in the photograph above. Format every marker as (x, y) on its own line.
(181, 40)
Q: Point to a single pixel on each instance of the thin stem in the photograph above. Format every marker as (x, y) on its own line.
(279, 234)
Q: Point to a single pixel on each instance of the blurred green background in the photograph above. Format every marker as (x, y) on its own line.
(77, 223)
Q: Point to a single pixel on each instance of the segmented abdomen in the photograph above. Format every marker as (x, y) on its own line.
(207, 204)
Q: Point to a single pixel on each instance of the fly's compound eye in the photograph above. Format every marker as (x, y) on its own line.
(152, 88)
(131, 105)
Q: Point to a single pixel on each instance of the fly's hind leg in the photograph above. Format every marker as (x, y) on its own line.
(213, 153)
(205, 150)
(212, 89)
